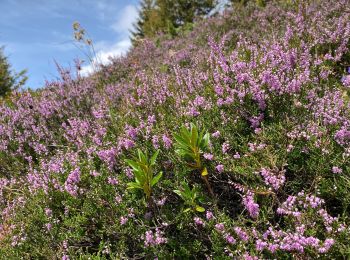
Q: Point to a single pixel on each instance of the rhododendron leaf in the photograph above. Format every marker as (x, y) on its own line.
(154, 158)
(187, 209)
(133, 164)
(178, 192)
(156, 178)
(134, 185)
(142, 157)
(205, 141)
(194, 134)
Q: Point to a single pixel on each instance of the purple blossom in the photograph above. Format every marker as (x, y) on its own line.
(208, 156)
(166, 141)
(112, 181)
(123, 220)
(209, 215)
(153, 239)
(336, 169)
(241, 234)
(155, 141)
(216, 134)
(198, 221)
(225, 147)
(273, 178)
(250, 205)
(229, 239)
(220, 168)
(220, 227)
(48, 212)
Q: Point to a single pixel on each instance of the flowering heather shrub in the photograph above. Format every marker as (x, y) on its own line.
(270, 85)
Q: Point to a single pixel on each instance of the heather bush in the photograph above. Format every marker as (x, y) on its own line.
(260, 108)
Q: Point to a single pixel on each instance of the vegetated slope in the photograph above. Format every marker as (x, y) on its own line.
(270, 88)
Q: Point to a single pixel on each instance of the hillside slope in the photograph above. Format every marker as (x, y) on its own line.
(268, 177)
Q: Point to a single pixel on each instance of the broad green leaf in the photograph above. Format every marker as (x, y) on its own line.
(185, 134)
(134, 185)
(154, 157)
(205, 141)
(133, 164)
(194, 134)
(140, 176)
(200, 138)
(187, 210)
(178, 192)
(156, 179)
(142, 157)
(200, 209)
(179, 139)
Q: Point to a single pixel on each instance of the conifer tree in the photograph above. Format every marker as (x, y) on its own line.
(146, 15)
(9, 80)
(167, 15)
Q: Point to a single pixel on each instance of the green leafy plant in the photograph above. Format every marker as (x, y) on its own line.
(191, 197)
(190, 144)
(142, 167)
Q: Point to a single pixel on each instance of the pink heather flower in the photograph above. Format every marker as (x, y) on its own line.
(225, 147)
(151, 119)
(112, 181)
(166, 141)
(65, 257)
(123, 220)
(152, 239)
(155, 141)
(236, 155)
(260, 245)
(48, 226)
(336, 169)
(220, 227)
(290, 148)
(250, 205)
(131, 132)
(209, 215)
(129, 173)
(241, 234)
(95, 173)
(108, 156)
(161, 202)
(328, 243)
(257, 131)
(216, 134)
(118, 199)
(208, 156)
(72, 179)
(74, 176)
(219, 168)
(275, 180)
(229, 239)
(48, 212)
(149, 238)
(198, 221)
(346, 81)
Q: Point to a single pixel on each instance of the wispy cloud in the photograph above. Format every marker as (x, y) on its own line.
(126, 19)
(122, 26)
(104, 55)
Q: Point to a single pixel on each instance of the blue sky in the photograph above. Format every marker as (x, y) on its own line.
(36, 33)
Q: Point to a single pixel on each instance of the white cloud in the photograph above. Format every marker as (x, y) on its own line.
(122, 26)
(126, 18)
(104, 53)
